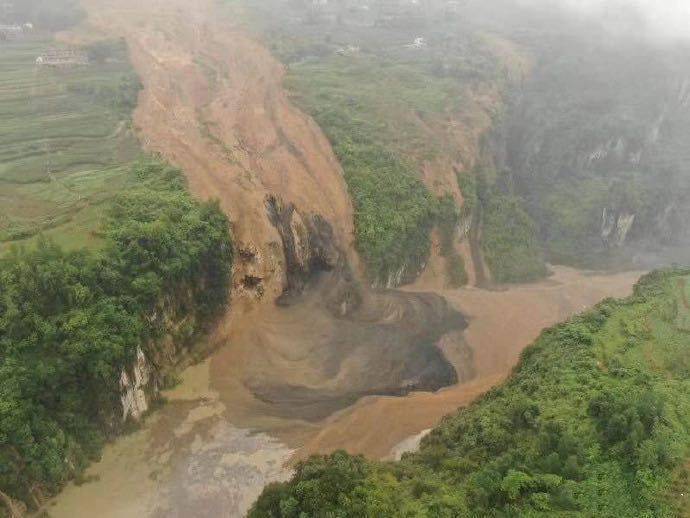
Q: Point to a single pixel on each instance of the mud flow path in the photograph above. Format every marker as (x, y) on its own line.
(501, 323)
(196, 457)
(331, 366)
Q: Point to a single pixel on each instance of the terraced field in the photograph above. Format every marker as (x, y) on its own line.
(65, 140)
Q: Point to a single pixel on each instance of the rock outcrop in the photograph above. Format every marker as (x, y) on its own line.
(135, 383)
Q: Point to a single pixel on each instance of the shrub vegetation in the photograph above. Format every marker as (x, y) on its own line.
(371, 136)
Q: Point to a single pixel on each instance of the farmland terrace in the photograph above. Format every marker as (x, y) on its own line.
(65, 139)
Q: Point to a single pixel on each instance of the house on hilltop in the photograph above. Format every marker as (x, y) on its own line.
(349, 50)
(418, 43)
(62, 58)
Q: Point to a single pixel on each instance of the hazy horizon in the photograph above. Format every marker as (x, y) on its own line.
(665, 20)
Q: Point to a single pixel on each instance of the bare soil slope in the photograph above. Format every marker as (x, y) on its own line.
(213, 104)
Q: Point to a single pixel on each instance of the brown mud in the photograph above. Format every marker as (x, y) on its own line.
(213, 104)
(501, 323)
(300, 363)
(195, 457)
(187, 461)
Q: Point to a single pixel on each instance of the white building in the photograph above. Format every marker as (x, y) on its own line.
(418, 43)
(62, 58)
(11, 32)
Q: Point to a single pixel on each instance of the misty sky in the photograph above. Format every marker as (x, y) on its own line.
(664, 18)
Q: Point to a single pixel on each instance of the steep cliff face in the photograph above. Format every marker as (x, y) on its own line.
(595, 141)
(135, 382)
(177, 325)
(308, 243)
(615, 226)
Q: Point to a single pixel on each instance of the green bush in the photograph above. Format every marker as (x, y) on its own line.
(394, 213)
(448, 220)
(71, 321)
(374, 111)
(509, 240)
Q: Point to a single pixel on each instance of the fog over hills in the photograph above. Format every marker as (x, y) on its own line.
(667, 20)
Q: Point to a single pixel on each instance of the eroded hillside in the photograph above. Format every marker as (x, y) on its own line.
(213, 103)
(559, 138)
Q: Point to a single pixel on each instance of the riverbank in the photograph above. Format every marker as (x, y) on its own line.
(197, 457)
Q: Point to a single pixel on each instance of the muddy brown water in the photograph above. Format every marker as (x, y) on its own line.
(211, 449)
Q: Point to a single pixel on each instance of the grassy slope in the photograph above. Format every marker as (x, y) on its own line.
(595, 421)
(65, 141)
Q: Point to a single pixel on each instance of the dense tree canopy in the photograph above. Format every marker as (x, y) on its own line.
(70, 322)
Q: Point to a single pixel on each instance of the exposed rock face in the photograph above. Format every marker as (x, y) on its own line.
(176, 322)
(135, 386)
(615, 226)
(586, 133)
(308, 243)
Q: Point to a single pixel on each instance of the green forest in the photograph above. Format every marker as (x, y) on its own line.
(594, 421)
(70, 321)
(394, 211)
